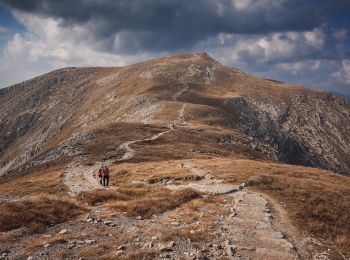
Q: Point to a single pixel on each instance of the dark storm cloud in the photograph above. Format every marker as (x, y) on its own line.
(167, 25)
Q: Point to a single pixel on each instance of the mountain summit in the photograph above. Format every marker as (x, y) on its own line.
(55, 116)
(205, 162)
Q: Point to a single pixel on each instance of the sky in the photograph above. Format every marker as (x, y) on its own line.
(305, 42)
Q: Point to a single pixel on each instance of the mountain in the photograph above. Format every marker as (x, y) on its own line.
(56, 115)
(205, 162)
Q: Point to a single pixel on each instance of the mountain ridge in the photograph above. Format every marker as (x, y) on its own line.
(286, 118)
(202, 161)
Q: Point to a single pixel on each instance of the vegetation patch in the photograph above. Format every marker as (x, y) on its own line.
(36, 214)
(324, 213)
(141, 200)
(317, 200)
(185, 234)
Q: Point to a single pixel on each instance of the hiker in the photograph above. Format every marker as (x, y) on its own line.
(100, 174)
(105, 176)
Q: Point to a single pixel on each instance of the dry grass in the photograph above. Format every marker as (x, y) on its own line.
(171, 234)
(96, 252)
(205, 209)
(35, 242)
(141, 200)
(46, 181)
(316, 200)
(126, 173)
(36, 214)
(155, 203)
(141, 255)
(107, 251)
(324, 213)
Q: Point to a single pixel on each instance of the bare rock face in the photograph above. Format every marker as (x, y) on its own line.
(48, 118)
(307, 128)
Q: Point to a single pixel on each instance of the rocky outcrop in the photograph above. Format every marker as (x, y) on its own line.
(307, 128)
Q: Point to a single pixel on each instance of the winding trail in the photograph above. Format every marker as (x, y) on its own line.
(79, 178)
(248, 230)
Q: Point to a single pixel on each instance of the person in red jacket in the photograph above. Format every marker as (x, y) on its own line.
(100, 174)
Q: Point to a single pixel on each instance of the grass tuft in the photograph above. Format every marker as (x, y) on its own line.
(140, 200)
(36, 214)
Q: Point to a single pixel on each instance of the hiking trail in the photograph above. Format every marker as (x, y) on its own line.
(249, 230)
(79, 178)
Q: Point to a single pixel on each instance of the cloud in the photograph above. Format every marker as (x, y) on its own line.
(48, 45)
(167, 25)
(343, 75)
(2, 29)
(289, 40)
(266, 49)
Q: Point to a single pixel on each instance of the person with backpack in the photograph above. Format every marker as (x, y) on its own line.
(105, 176)
(100, 174)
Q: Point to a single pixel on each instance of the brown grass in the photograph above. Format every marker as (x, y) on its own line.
(317, 201)
(184, 234)
(141, 200)
(46, 181)
(143, 255)
(96, 252)
(324, 213)
(36, 214)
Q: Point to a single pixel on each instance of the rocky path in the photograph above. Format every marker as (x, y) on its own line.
(249, 231)
(80, 178)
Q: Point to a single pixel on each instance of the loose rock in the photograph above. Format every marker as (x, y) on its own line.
(63, 231)
(122, 247)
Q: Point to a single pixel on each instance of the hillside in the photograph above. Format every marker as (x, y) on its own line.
(53, 112)
(181, 134)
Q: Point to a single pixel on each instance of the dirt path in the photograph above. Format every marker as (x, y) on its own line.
(249, 229)
(80, 178)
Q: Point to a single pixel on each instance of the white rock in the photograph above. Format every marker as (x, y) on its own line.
(63, 231)
(119, 252)
(122, 247)
(171, 244)
(242, 186)
(90, 241)
(164, 248)
(231, 251)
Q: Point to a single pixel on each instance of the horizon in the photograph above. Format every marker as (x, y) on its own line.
(290, 41)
